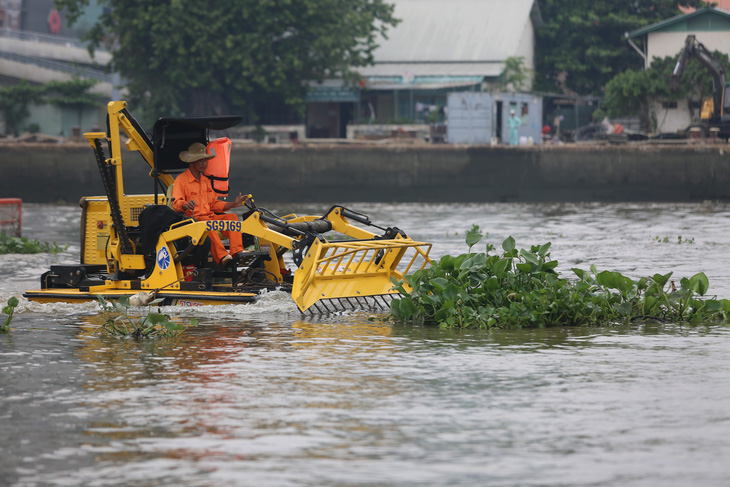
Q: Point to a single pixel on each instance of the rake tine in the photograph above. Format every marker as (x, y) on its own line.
(325, 306)
(353, 306)
(386, 302)
(339, 300)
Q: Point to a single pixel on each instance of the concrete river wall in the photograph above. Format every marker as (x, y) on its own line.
(46, 173)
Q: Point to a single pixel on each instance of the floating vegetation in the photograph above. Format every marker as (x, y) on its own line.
(23, 245)
(118, 322)
(679, 240)
(9, 310)
(520, 289)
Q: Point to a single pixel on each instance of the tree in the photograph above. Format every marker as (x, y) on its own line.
(582, 44)
(72, 94)
(14, 101)
(191, 57)
(516, 76)
(632, 91)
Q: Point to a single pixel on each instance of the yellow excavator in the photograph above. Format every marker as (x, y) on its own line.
(136, 245)
(715, 109)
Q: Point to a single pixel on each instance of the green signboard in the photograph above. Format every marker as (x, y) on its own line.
(332, 94)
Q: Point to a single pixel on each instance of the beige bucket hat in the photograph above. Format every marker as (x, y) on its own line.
(196, 152)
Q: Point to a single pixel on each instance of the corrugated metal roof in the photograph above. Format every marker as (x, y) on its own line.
(455, 30)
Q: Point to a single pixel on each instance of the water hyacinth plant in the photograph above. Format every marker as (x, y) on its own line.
(9, 309)
(118, 322)
(521, 288)
(23, 245)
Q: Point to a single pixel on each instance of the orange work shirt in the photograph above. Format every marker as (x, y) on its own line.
(188, 188)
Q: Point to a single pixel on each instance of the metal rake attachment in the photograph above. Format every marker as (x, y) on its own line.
(380, 302)
(353, 269)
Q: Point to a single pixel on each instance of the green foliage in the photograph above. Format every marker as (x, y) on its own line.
(515, 75)
(118, 322)
(9, 310)
(14, 101)
(73, 93)
(680, 240)
(631, 91)
(582, 44)
(520, 288)
(182, 57)
(23, 245)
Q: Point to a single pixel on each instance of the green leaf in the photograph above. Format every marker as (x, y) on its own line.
(395, 308)
(713, 305)
(661, 280)
(439, 283)
(529, 257)
(492, 284)
(614, 280)
(508, 244)
(451, 292)
(699, 283)
(543, 249)
(500, 267)
(407, 308)
(157, 318)
(473, 236)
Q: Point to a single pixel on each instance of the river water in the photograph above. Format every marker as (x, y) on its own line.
(258, 395)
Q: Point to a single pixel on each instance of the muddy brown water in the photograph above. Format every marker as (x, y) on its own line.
(260, 395)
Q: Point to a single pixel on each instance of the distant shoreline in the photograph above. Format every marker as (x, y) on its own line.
(348, 172)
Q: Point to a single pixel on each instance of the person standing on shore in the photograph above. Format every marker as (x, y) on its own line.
(513, 123)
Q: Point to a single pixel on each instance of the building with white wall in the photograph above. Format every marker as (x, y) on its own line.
(438, 47)
(667, 38)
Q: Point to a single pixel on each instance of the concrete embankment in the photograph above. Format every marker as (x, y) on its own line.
(45, 173)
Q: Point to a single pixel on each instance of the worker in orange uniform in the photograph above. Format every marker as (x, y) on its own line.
(193, 195)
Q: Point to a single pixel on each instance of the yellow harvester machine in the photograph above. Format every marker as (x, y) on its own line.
(133, 244)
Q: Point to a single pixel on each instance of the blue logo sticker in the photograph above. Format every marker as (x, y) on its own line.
(163, 258)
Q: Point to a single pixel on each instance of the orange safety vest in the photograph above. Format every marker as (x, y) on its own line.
(218, 166)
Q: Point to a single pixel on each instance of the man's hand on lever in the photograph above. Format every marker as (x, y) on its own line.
(238, 201)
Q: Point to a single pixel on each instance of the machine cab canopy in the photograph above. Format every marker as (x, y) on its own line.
(171, 136)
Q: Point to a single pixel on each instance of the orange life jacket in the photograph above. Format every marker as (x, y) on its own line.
(218, 166)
